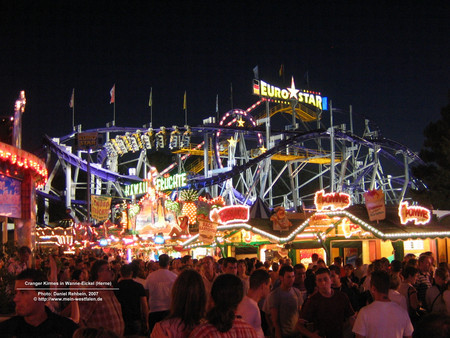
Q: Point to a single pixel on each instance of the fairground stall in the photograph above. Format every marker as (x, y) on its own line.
(334, 228)
(20, 174)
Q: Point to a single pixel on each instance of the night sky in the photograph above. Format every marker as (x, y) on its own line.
(391, 62)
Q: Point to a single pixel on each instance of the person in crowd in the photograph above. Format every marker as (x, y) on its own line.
(349, 289)
(227, 292)
(159, 285)
(424, 279)
(248, 308)
(138, 268)
(337, 261)
(242, 274)
(396, 269)
(382, 318)
(300, 276)
(434, 297)
(115, 268)
(33, 318)
(446, 298)
(230, 265)
(285, 303)
(408, 290)
(219, 267)
(175, 266)
(80, 275)
(314, 259)
(90, 332)
(328, 310)
(394, 295)
(360, 270)
(22, 262)
(310, 281)
(274, 274)
(132, 298)
(413, 262)
(208, 273)
(186, 262)
(187, 307)
(106, 313)
(349, 276)
(407, 258)
(433, 325)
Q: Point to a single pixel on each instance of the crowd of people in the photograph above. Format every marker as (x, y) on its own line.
(186, 297)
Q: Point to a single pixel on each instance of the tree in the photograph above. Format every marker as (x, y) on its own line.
(435, 173)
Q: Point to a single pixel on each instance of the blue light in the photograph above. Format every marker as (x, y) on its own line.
(103, 242)
(324, 103)
(159, 239)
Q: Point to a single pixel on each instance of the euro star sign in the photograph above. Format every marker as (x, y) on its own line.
(293, 90)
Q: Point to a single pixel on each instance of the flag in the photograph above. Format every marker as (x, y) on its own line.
(217, 103)
(72, 99)
(150, 99)
(184, 101)
(256, 72)
(281, 71)
(112, 92)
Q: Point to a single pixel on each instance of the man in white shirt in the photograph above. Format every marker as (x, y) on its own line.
(159, 286)
(248, 309)
(382, 318)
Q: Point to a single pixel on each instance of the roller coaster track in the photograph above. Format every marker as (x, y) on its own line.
(301, 137)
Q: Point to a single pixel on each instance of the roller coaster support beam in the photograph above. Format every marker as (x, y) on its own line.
(405, 185)
(267, 172)
(332, 172)
(206, 168)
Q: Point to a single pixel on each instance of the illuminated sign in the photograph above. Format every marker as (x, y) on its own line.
(171, 182)
(413, 245)
(234, 213)
(413, 213)
(136, 189)
(264, 89)
(332, 201)
(349, 229)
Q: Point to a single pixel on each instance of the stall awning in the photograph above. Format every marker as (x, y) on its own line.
(388, 229)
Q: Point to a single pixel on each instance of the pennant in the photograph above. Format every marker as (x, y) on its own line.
(256, 72)
(184, 101)
(281, 71)
(72, 99)
(150, 99)
(112, 92)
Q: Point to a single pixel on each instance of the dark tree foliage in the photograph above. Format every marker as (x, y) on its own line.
(435, 173)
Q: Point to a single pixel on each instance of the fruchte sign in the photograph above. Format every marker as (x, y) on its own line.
(264, 89)
(331, 201)
(171, 182)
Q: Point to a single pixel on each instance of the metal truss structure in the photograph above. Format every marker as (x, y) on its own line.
(246, 155)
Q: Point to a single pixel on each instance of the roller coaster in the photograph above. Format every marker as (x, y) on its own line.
(281, 152)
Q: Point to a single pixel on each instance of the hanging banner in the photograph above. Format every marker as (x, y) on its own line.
(100, 207)
(206, 230)
(375, 205)
(10, 204)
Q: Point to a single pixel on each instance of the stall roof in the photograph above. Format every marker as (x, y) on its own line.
(388, 229)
